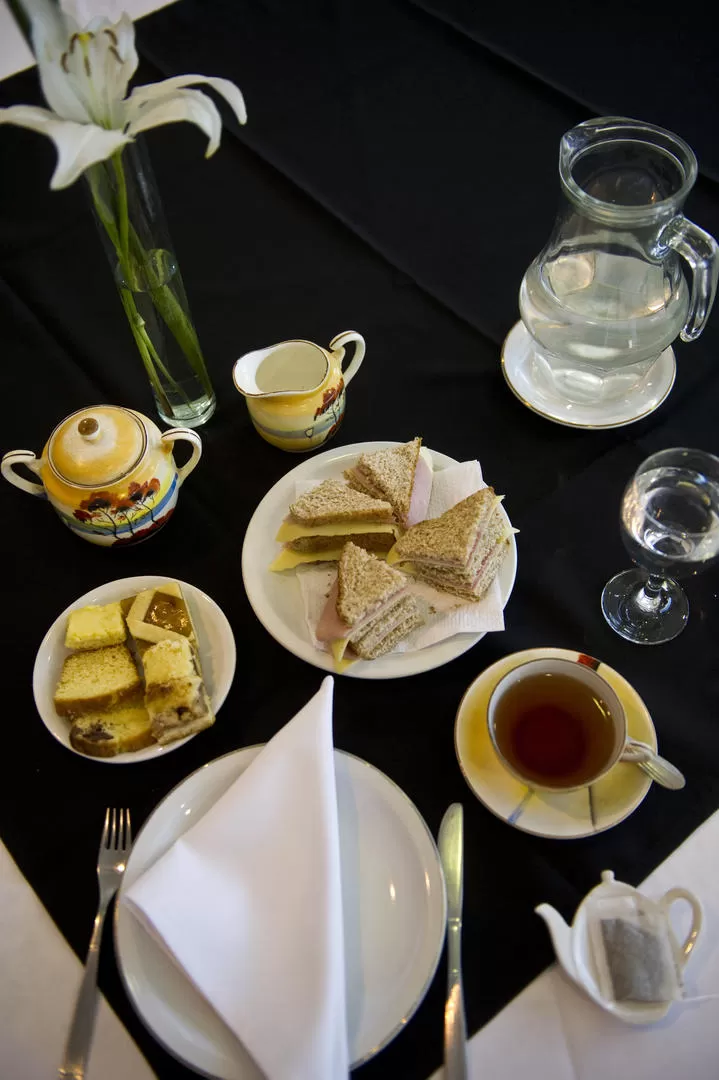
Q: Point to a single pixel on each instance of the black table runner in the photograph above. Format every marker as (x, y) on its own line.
(395, 177)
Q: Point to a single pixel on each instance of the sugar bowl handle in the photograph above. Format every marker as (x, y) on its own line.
(177, 434)
(11, 460)
(338, 343)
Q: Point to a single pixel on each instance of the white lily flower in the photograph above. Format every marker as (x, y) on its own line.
(84, 74)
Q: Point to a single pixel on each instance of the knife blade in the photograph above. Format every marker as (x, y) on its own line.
(455, 1026)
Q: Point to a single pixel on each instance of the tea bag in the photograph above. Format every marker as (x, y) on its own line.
(631, 944)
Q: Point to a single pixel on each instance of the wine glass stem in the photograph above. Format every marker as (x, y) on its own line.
(652, 596)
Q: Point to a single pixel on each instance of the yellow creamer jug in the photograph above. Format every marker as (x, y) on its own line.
(296, 390)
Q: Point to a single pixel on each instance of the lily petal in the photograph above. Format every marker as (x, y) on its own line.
(78, 145)
(190, 105)
(60, 91)
(113, 61)
(226, 89)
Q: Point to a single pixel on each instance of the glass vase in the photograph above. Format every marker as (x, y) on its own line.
(132, 226)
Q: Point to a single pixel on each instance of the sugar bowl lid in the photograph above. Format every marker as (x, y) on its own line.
(97, 445)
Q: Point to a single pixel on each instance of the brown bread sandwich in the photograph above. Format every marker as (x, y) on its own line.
(369, 610)
(461, 551)
(322, 520)
(401, 475)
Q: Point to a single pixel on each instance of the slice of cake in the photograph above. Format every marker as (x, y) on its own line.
(95, 627)
(119, 731)
(175, 695)
(97, 679)
(160, 614)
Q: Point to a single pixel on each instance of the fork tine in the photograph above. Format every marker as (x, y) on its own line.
(128, 829)
(106, 829)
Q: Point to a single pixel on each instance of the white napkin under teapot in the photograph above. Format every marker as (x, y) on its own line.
(248, 903)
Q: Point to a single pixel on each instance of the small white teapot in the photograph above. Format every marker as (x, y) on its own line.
(573, 946)
(109, 473)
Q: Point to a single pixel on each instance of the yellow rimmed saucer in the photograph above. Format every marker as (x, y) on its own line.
(565, 815)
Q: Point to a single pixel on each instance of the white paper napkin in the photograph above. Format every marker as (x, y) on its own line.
(449, 486)
(248, 902)
(40, 979)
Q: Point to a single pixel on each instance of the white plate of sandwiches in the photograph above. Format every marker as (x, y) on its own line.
(380, 560)
(133, 669)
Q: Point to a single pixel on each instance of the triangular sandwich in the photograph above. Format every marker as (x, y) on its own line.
(461, 551)
(322, 520)
(370, 608)
(399, 474)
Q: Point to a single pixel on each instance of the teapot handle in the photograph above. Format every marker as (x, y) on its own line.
(343, 339)
(177, 434)
(697, 915)
(701, 251)
(22, 457)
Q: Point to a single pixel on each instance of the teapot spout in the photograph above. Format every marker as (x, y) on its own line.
(561, 936)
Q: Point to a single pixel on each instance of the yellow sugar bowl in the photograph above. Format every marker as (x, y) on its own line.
(295, 391)
(109, 473)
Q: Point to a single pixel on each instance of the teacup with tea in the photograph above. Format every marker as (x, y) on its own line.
(557, 725)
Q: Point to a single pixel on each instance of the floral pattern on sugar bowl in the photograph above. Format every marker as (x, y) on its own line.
(296, 390)
(108, 472)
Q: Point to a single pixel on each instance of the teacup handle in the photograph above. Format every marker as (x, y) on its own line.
(636, 751)
(177, 434)
(11, 460)
(343, 339)
(690, 940)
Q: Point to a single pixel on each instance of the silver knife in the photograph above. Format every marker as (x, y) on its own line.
(455, 1025)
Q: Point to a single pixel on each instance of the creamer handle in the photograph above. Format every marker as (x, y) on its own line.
(343, 339)
(177, 434)
(700, 250)
(21, 457)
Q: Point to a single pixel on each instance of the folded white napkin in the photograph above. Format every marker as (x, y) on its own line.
(248, 902)
(449, 486)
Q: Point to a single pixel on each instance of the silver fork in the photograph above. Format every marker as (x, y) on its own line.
(111, 860)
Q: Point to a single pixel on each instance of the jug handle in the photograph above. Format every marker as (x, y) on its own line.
(177, 434)
(21, 457)
(701, 251)
(343, 339)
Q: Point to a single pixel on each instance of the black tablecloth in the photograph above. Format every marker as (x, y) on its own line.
(396, 176)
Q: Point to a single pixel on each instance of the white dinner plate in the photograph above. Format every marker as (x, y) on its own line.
(216, 646)
(394, 909)
(276, 599)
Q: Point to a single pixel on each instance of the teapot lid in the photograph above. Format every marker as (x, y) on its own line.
(97, 445)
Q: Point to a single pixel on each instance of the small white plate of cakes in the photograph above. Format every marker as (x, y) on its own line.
(133, 669)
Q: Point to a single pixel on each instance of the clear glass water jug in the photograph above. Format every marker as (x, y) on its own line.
(608, 293)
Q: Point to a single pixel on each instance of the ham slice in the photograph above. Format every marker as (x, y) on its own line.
(331, 628)
(421, 491)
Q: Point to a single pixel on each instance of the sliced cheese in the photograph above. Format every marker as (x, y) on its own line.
(288, 559)
(290, 531)
(392, 556)
(342, 662)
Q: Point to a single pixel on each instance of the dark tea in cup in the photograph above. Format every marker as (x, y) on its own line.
(556, 724)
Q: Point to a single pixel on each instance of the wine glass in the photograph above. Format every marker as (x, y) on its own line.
(670, 526)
